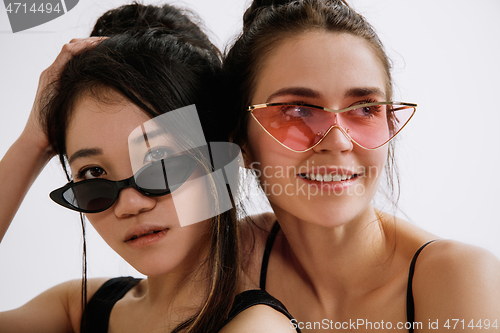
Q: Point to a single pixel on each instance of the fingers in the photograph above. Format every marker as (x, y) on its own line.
(48, 86)
(73, 48)
(78, 45)
(68, 51)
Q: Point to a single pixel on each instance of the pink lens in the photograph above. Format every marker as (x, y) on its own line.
(300, 127)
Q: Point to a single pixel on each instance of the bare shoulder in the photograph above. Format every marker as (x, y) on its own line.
(259, 318)
(74, 287)
(456, 280)
(70, 293)
(57, 309)
(449, 258)
(93, 285)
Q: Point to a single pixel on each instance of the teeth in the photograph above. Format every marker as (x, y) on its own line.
(328, 177)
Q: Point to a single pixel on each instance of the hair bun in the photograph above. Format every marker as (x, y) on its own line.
(265, 3)
(137, 18)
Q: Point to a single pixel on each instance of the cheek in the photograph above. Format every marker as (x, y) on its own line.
(253, 147)
(104, 224)
(374, 162)
(262, 149)
(191, 239)
(201, 198)
(380, 158)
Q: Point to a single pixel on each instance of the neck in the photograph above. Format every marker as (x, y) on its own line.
(180, 292)
(346, 259)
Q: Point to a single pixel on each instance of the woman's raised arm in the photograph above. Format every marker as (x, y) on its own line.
(29, 154)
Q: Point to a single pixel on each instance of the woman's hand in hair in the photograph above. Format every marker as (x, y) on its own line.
(48, 86)
(29, 154)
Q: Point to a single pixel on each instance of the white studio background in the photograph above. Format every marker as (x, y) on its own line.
(445, 55)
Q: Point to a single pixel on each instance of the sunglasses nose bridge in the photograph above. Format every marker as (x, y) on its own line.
(335, 120)
(330, 129)
(126, 183)
(129, 182)
(341, 129)
(329, 120)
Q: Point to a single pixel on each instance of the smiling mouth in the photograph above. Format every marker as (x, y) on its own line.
(319, 177)
(146, 234)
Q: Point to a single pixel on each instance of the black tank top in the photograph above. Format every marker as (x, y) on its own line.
(253, 297)
(410, 306)
(97, 312)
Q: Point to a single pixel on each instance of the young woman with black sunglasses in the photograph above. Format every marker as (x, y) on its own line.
(101, 98)
(314, 115)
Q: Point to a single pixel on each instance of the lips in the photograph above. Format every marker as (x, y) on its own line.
(143, 231)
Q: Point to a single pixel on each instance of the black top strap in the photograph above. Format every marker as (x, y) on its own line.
(267, 253)
(95, 319)
(253, 297)
(410, 306)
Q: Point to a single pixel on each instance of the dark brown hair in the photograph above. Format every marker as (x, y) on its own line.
(265, 24)
(137, 17)
(159, 68)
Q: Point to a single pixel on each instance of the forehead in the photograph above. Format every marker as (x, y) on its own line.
(99, 119)
(330, 63)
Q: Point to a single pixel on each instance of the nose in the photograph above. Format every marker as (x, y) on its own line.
(336, 139)
(131, 202)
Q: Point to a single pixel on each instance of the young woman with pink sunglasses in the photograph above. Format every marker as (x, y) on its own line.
(314, 114)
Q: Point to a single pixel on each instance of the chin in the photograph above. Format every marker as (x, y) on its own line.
(156, 268)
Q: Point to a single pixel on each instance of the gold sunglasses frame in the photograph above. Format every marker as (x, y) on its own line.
(357, 106)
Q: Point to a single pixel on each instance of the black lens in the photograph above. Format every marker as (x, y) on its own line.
(166, 175)
(95, 195)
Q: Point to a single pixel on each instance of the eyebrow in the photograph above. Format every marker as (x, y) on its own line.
(362, 92)
(297, 91)
(147, 136)
(86, 152)
(310, 93)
